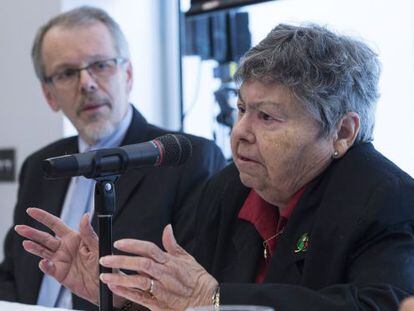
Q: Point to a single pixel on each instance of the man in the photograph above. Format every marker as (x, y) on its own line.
(81, 58)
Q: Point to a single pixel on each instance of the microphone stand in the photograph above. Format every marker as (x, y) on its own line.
(105, 168)
(104, 209)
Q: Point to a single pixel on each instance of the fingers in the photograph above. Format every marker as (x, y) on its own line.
(40, 237)
(133, 287)
(133, 263)
(407, 304)
(47, 267)
(148, 249)
(37, 250)
(170, 277)
(136, 296)
(142, 248)
(169, 242)
(132, 281)
(52, 222)
(87, 233)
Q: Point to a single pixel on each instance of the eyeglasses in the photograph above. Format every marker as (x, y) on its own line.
(99, 70)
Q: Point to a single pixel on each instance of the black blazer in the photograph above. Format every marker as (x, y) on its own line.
(147, 200)
(359, 216)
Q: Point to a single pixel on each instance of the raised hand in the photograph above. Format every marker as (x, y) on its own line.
(407, 304)
(70, 257)
(170, 280)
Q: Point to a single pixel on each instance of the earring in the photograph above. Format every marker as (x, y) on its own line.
(335, 154)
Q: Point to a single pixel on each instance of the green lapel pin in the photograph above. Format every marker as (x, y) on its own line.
(303, 243)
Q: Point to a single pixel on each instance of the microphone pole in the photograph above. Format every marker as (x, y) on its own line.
(105, 200)
(104, 209)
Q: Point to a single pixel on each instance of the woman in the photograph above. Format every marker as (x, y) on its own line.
(302, 157)
(310, 216)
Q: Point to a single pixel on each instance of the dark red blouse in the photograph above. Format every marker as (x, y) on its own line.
(268, 222)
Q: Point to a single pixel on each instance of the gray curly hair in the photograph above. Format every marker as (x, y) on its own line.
(80, 16)
(330, 74)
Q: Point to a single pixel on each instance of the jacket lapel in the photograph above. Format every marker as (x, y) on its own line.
(241, 253)
(295, 243)
(124, 187)
(290, 253)
(245, 251)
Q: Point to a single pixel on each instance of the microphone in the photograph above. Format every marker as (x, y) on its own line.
(167, 150)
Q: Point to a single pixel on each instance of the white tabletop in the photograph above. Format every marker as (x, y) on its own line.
(13, 306)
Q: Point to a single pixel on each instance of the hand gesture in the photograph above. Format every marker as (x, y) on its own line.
(170, 280)
(70, 257)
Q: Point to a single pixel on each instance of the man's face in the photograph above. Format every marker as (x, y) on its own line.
(95, 106)
(276, 143)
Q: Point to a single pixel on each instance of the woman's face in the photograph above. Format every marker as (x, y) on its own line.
(276, 143)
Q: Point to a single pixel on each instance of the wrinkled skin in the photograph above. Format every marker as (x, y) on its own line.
(70, 257)
(407, 304)
(179, 281)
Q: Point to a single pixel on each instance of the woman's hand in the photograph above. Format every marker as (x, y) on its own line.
(407, 304)
(170, 280)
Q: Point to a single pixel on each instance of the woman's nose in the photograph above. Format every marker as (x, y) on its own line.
(243, 129)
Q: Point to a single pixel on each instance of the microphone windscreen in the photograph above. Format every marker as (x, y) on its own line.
(53, 167)
(177, 149)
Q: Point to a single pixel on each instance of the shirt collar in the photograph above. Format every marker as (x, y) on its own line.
(254, 207)
(287, 211)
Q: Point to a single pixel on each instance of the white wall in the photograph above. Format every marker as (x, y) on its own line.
(26, 122)
(388, 26)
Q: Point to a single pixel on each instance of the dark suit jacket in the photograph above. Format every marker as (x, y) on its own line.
(359, 215)
(147, 200)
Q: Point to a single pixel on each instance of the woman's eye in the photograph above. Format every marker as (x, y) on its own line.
(264, 116)
(241, 109)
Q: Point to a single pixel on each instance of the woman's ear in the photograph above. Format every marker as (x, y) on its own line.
(346, 133)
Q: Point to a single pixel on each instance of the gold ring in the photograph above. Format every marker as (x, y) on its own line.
(151, 288)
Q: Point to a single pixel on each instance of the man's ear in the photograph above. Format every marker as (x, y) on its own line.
(129, 76)
(50, 98)
(346, 133)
